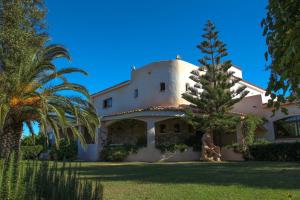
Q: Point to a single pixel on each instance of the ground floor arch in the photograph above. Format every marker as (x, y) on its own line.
(127, 132)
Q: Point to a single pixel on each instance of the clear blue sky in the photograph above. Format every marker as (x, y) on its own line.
(107, 37)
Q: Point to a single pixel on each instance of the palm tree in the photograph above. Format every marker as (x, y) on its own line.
(35, 92)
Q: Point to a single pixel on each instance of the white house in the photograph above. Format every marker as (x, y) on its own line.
(150, 105)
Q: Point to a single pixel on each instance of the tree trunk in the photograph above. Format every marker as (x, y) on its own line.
(10, 139)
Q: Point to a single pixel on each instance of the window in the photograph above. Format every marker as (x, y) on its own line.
(187, 86)
(288, 127)
(162, 86)
(107, 103)
(162, 128)
(177, 128)
(136, 93)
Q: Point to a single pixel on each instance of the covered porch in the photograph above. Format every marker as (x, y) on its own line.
(148, 129)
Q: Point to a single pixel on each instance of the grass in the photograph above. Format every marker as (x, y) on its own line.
(196, 180)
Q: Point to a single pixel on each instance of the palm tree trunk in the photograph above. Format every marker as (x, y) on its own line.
(10, 139)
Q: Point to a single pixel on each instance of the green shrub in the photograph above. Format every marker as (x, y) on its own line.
(239, 148)
(172, 147)
(117, 153)
(33, 140)
(261, 141)
(32, 180)
(67, 150)
(31, 152)
(275, 152)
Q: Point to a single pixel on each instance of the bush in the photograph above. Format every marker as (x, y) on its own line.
(67, 150)
(33, 140)
(31, 180)
(117, 153)
(275, 152)
(31, 152)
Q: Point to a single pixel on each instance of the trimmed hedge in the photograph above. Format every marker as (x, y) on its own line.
(117, 153)
(31, 152)
(275, 152)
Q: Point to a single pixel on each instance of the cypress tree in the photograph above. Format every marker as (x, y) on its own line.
(212, 97)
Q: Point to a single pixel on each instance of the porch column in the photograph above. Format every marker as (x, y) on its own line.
(102, 135)
(150, 133)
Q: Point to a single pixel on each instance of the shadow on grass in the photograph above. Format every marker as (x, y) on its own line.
(251, 174)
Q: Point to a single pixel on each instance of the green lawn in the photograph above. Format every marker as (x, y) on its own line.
(196, 180)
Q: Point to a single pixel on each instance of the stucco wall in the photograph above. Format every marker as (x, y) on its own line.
(250, 105)
(174, 73)
(147, 80)
(91, 153)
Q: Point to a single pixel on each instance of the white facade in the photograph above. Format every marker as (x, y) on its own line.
(174, 73)
(143, 98)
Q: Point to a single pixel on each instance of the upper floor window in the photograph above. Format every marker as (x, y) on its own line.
(136, 93)
(288, 127)
(162, 86)
(107, 103)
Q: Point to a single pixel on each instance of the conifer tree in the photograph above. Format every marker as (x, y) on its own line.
(212, 97)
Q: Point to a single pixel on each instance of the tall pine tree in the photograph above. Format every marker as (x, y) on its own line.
(212, 97)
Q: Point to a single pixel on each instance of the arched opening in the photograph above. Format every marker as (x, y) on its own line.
(127, 132)
(176, 131)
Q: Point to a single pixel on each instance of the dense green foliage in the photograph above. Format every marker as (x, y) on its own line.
(249, 126)
(212, 96)
(22, 31)
(281, 29)
(32, 88)
(240, 148)
(33, 93)
(66, 150)
(31, 180)
(32, 146)
(275, 152)
(195, 180)
(117, 153)
(31, 152)
(31, 140)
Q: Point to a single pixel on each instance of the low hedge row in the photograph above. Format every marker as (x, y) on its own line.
(275, 152)
(31, 152)
(117, 153)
